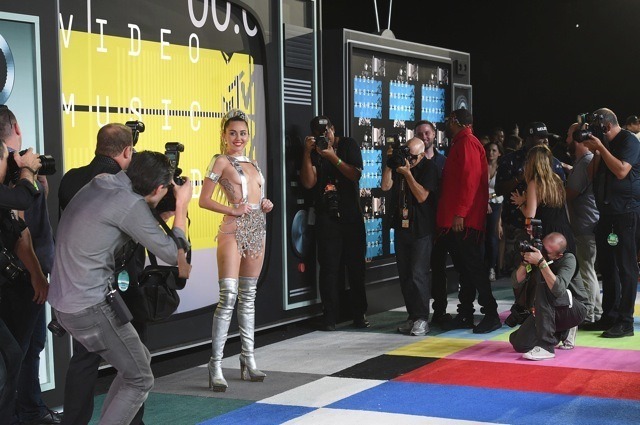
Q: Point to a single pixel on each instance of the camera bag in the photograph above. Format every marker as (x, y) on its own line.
(156, 294)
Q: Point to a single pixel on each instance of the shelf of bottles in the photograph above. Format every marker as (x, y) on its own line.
(372, 168)
(433, 103)
(373, 229)
(367, 98)
(402, 99)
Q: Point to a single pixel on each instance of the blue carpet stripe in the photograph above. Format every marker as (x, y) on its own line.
(490, 405)
(260, 414)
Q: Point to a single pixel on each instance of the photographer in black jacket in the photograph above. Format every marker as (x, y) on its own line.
(16, 242)
(414, 180)
(331, 167)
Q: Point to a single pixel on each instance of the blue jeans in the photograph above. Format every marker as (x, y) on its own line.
(100, 332)
(412, 258)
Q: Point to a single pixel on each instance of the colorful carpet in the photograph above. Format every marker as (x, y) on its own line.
(377, 376)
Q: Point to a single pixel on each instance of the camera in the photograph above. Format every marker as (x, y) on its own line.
(536, 237)
(136, 127)
(321, 141)
(48, 167)
(9, 266)
(56, 328)
(590, 124)
(331, 200)
(172, 151)
(399, 155)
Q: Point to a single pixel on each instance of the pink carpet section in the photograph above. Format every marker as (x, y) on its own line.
(528, 377)
(579, 357)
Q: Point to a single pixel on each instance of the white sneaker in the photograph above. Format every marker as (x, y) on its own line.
(406, 328)
(538, 353)
(492, 275)
(420, 327)
(570, 341)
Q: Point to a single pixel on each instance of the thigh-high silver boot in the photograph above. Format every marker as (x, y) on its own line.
(220, 329)
(246, 322)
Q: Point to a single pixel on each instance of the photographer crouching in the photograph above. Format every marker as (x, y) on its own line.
(413, 178)
(331, 167)
(559, 297)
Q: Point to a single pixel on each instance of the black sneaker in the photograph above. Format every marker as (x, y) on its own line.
(459, 322)
(361, 323)
(618, 330)
(489, 323)
(598, 325)
(440, 318)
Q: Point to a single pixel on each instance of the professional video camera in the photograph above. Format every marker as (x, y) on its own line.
(172, 151)
(399, 155)
(321, 141)
(136, 127)
(589, 124)
(13, 171)
(536, 236)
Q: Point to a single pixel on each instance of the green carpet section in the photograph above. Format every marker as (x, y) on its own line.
(178, 409)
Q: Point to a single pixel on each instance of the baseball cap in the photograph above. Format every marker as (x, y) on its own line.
(633, 119)
(537, 129)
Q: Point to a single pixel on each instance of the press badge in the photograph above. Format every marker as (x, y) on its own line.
(405, 218)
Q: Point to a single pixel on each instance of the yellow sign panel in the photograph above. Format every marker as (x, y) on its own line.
(179, 92)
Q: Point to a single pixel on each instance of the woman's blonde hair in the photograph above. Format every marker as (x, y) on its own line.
(538, 167)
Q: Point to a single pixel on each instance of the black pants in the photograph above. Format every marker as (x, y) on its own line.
(618, 265)
(465, 249)
(10, 359)
(340, 246)
(25, 320)
(550, 324)
(81, 379)
(439, 276)
(413, 270)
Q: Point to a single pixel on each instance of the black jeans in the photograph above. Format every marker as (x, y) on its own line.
(10, 358)
(439, 276)
(465, 249)
(618, 265)
(25, 319)
(340, 246)
(412, 259)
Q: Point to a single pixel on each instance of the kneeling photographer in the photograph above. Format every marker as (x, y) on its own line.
(331, 168)
(559, 297)
(413, 179)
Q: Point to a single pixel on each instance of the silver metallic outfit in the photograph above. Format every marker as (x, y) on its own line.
(250, 227)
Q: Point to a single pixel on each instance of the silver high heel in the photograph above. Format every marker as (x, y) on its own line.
(217, 383)
(248, 373)
(220, 329)
(246, 322)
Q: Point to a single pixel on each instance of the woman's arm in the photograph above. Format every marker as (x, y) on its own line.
(531, 205)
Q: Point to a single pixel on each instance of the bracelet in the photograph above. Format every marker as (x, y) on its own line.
(540, 261)
(339, 162)
(34, 172)
(543, 266)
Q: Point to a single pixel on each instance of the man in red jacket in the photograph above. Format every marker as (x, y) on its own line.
(460, 219)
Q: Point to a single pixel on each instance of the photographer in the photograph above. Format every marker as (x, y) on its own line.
(15, 241)
(25, 314)
(559, 297)
(331, 167)
(114, 150)
(616, 186)
(103, 216)
(414, 180)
